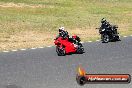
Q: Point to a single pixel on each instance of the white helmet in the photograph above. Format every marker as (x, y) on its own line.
(61, 28)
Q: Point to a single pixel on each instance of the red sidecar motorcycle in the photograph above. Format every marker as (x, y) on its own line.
(64, 46)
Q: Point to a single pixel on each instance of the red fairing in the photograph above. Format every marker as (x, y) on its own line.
(74, 36)
(56, 42)
(69, 47)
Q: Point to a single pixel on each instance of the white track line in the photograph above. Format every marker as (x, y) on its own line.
(49, 46)
(33, 48)
(14, 50)
(81, 42)
(97, 40)
(40, 47)
(5, 51)
(89, 41)
(124, 36)
(22, 49)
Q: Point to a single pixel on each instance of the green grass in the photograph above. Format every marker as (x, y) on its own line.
(72, 14)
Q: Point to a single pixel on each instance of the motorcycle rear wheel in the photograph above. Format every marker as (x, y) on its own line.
(117, 38)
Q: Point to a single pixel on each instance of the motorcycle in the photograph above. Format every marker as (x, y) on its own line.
(66, 46)
(110, 34)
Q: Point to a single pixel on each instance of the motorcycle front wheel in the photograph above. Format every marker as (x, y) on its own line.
(105, 38)
(80, 49)
(60, 51)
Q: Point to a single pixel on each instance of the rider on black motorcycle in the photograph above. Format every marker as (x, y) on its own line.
(108, 32)
(107, 26)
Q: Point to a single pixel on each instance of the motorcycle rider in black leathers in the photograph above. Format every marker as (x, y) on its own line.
(111, 29)
(106, 25)
(64, 34)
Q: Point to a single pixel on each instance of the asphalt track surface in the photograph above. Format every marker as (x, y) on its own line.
(42, 68)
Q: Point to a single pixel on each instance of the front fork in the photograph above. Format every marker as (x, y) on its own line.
(102, 37)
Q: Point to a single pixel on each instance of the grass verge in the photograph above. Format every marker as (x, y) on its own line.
(34, 23)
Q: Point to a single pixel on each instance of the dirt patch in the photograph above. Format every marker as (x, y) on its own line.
(130, 14)
(89, 32)
(29, 39)
(26, 39)
(23, 5)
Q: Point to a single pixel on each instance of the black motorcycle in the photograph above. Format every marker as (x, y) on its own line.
(109, 34)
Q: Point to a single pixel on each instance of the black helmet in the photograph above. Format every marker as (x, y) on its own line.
(103, 20)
